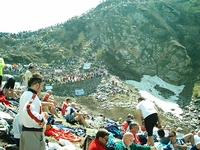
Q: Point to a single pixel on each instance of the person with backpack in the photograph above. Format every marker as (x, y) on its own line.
(125, 124)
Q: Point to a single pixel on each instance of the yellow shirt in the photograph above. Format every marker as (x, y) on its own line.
(2, 64)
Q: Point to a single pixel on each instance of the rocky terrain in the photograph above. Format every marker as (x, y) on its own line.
(129, 39)
(132, 38)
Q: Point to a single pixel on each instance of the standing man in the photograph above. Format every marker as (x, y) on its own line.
(99, 142)
(31, 117)
(2, 64)
(148, 111)
(28, 73)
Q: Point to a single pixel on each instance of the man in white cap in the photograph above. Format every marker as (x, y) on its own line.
(185, 137)
(72, 116)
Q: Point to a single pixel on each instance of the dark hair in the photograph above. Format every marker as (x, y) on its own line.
(141, 98)
(102, 133)
(31, 65)
(173, 132)
(132, 125)
(36, 78)
(161, 133)
(130, 116)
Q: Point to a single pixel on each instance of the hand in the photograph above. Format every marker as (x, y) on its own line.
(153, 148)
(175, 145)
(41, 124)
(45, 115)
(159, 126)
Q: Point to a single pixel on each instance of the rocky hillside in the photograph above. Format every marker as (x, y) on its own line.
(131, 38)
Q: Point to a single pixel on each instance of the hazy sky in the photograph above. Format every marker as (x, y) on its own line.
(23, 15)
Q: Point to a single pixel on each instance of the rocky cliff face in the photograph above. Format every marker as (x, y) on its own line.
(138, 40)
(132, 38)
(143, 38)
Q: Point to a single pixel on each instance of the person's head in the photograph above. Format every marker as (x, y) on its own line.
(73, 104)
(67, 100)
(102, 136)
(179, 129)
(161, 133)
(31, 67)
(128, 138)
(167, 127)
(49, 92)
(36, 82)
(130, 116)
(172, 136)
(198, 133)
(133, 128)
(141, 99)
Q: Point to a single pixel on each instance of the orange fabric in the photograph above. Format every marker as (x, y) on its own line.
(65, 105)
(124, 125)
(66, 135)
(4, 100)
(45, 98)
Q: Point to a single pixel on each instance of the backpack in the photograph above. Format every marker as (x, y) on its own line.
(115, 131)
(86, 142)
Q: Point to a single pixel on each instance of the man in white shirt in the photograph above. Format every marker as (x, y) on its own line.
(31, 117)
(185, 137)
(28, 73)
(197, 137)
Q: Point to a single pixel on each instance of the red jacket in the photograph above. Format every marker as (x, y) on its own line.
(136, 139)
(96, 145)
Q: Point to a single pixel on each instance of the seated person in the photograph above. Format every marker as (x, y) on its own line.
(125, 124)
(9, 86)
(134, 128)
(48, 97)
(175, 143)
(196, 147)
(49, 108)
(48, 104)
(185, 137)
(99, 142)
(162, 139)
(72, 115)
(127, 144)
(197, 137)
(65, 105)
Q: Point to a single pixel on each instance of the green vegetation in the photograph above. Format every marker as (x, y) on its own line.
(113, 26)
(196, 90)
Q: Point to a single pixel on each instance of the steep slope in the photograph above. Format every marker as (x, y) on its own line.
(132, 38)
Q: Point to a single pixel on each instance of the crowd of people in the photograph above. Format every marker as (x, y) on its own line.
(138, 134)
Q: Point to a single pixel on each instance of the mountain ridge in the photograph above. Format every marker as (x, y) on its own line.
(132, 39)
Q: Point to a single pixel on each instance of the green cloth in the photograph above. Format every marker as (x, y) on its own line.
(133, 146)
